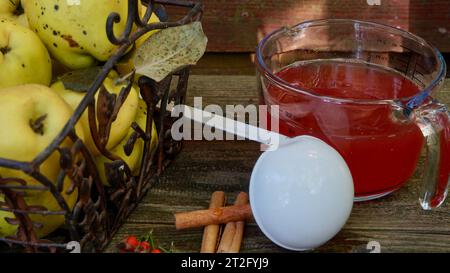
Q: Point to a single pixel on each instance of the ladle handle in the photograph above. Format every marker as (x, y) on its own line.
(241, 129)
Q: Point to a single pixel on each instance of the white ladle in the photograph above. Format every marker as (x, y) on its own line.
(301, 193)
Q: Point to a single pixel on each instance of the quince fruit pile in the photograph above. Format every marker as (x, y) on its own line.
(39, 40)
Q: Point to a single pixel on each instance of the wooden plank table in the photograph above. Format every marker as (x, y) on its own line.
(397, 222)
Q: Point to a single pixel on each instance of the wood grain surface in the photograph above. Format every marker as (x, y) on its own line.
(397, 222)
(237, 25)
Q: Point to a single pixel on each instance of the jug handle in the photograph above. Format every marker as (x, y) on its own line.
(433, 119)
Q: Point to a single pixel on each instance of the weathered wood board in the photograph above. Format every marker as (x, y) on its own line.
(236, 25)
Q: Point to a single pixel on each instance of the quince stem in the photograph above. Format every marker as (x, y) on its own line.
(5, 50)
(37, 125)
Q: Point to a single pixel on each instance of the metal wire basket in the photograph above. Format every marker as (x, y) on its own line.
(100, 210)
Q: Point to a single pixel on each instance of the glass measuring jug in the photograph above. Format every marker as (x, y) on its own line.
(369, 91)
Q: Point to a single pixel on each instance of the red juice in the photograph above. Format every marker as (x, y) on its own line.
(381, 152)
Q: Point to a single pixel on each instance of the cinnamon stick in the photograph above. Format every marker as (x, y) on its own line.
(232, 235)
(227, 237)
(235, 247)
(211, 232)
(201, 218)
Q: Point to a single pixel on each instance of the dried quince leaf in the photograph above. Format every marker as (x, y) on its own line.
(80, 80)
(169, 50)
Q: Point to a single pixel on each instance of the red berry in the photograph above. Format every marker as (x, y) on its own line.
(156, 250)
(145, 246)
(131, 242)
